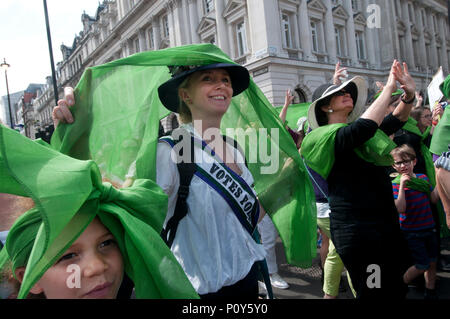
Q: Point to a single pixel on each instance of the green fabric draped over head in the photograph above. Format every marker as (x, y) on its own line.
(318, 149)
(68, 194)
(117, 115)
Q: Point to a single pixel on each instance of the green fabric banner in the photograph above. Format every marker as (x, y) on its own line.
(294, 112)
(117, 114)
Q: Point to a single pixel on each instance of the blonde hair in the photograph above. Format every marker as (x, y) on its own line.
(183, 109)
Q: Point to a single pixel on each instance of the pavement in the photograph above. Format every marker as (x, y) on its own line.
(306, 283)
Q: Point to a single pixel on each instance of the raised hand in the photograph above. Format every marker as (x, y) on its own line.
(340, 74)
(405, 79)
(61, 112)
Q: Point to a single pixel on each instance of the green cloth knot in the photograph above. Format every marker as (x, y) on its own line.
(108, 193)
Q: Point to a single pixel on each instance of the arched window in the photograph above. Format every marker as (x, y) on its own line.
(301, 95)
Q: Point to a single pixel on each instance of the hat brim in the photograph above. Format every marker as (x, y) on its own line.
(358, 105)
(168, 91)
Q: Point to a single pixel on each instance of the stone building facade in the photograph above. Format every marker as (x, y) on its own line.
(285, 44)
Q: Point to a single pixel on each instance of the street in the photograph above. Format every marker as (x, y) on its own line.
(306, 283)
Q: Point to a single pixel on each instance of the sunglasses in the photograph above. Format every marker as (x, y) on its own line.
(341, 93)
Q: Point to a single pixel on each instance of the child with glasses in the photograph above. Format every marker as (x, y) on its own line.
(412, 194)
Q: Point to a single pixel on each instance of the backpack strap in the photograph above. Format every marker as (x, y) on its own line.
(186, 171)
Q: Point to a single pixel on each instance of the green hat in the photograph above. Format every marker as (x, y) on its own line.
(68, 194)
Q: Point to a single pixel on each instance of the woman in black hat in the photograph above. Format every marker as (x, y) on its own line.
(351, 152)
(210, 223)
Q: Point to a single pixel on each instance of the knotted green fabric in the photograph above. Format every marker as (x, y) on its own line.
(117, 115)
(68, 195)
(415, 183)
(318, 149)
(411, 126)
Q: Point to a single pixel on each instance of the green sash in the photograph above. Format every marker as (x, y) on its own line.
(318, 149)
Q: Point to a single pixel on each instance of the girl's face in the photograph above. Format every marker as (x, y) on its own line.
(208, 93)
(403, 166)
(92, 268)
(425, 118)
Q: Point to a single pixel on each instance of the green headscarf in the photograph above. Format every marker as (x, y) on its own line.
(117, 116)
(318, 149)
(68, 194)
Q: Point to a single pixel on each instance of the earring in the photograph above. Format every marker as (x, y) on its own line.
(330, 110)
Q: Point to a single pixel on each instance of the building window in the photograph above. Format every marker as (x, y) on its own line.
(137, 47)
(165, 25)
(241, 38)
(339, 41)
(209, 5)
(355, 5)
(435, 25)
(360, 45)
(423, 17)
(151, 39)
(286, 30)
(314, 37)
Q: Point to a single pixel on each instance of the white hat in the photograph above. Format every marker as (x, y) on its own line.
(358, 90)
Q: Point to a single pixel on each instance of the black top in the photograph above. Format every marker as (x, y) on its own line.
(361, 192)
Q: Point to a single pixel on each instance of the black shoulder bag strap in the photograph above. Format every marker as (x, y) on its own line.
(186, 172)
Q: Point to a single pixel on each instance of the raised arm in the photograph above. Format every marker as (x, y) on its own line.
(287, 101)
(377, 110)
(61, 112)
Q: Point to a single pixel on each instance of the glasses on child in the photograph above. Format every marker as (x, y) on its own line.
(402, 163)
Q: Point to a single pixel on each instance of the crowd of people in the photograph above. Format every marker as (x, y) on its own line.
(199, 230)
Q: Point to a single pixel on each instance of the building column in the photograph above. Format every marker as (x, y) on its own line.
(156, 32)
(193, 20)
(351, 39)
(387, 35)
(265, 32)
(172, 39)
(330, 39)
(178, 24)
(434, 53)
(221, 26)
(305, 32)
(142, 40)
(443, 53)
(422, 52)
(408, 37)
(370, 38)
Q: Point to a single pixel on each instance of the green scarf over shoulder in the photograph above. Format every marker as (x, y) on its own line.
(318, 149)
(68, 194)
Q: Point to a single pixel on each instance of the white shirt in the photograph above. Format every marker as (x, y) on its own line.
(210, 244)
(323, 210)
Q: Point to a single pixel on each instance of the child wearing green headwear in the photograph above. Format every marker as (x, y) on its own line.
(85, 226)
(91, 268)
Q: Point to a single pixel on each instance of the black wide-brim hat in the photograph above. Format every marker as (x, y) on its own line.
(168, 91)
(357, 88)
